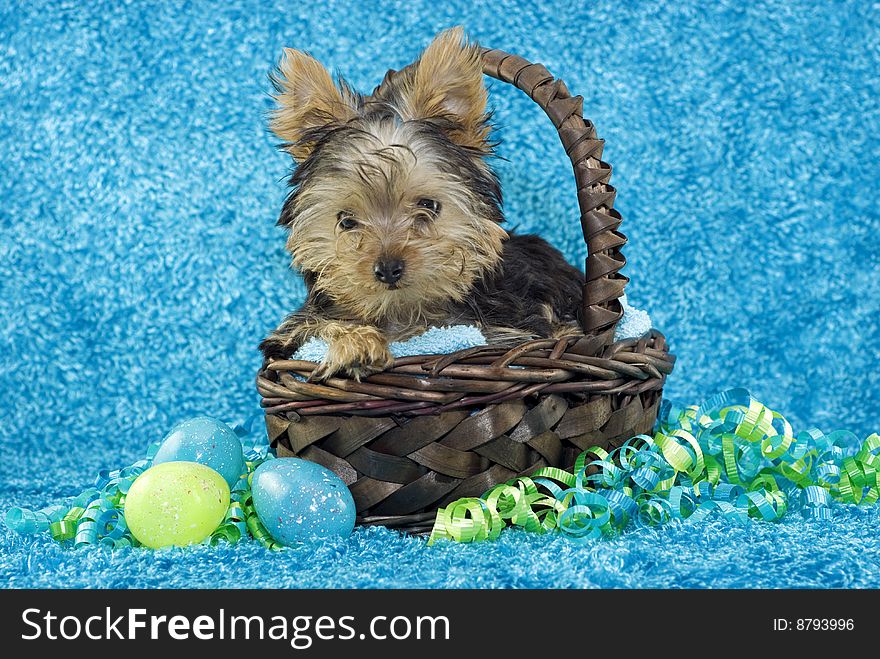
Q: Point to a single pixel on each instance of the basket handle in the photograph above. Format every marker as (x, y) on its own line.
(604, 284)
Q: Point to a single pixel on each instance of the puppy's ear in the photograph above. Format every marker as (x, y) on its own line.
(307, 100)
(445, 83)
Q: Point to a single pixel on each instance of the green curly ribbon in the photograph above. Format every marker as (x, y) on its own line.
(241, 518)
(65, 528)
(730, 456)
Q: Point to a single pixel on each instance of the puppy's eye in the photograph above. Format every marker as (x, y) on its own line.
(430, 205)
(346, 221)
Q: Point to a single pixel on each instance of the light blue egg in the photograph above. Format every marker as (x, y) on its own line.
(208, 441)
(298, 501)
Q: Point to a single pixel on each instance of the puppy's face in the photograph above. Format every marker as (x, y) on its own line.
(394, 211)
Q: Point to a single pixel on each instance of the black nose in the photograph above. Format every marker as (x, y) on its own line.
(388, 272)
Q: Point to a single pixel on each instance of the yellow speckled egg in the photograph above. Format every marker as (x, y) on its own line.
(176, 504)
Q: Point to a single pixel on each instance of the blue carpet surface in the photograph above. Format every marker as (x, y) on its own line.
(140, 265)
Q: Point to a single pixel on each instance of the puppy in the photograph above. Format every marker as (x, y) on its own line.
(395, 216)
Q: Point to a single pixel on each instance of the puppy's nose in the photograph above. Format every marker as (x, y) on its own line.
(388, 272)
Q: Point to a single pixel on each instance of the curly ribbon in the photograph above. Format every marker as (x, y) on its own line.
(96, 517)
(241, 519)
(730, 456)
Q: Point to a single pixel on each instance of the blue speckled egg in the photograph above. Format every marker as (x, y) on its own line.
(208, 441)
(298, 500)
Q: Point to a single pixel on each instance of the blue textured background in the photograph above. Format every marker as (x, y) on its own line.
(140, 265)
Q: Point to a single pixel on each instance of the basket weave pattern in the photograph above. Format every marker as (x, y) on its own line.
(432, 429)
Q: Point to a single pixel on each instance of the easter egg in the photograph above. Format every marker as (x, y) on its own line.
(176, 504)
(297, 500)
(205, 440)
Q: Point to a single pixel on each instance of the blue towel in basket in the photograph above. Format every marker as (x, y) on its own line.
(437, 340)
(442, 340)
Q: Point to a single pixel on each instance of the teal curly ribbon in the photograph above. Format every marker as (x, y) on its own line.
(96, 517)
(730, 456)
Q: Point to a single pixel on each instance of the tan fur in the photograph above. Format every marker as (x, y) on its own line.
(297, 332)
(447, 80)
(444, 256)
(307, 99)
(357, 349)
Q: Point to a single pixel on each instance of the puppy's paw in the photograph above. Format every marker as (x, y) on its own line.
(359, 351)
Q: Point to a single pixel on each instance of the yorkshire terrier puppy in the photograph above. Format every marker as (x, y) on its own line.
(395, 217)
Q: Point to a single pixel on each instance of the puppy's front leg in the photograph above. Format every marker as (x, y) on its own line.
(358, 350)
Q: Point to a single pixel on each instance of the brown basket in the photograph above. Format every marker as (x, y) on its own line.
(432, 429)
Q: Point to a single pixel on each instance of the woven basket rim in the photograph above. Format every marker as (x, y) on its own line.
(433, 384)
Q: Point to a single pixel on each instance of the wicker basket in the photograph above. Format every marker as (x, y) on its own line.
(433, 429)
